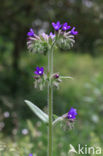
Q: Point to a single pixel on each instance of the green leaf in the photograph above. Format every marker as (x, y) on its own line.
(43, 116)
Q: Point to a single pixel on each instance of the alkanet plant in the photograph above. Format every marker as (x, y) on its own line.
(63, 38)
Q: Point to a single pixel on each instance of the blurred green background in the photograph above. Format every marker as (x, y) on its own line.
(21, 132)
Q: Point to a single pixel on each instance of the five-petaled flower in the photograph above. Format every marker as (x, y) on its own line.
(39, 71)
(31, 33)
(72, 114)
(73, 32)
(65, 26)
(56, 26)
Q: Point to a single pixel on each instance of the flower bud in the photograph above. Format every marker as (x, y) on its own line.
(56, 76)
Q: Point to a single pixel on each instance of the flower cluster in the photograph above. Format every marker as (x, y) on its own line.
(39, 44)
(63, 37)
(41, 78)
(69, 118)
(57, 26)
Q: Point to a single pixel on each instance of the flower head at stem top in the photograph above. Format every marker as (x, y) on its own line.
(72, 114)
(56, 26)
(65, 27)
(31, 33)
(39, 71)
(30, 154)
(73, 32)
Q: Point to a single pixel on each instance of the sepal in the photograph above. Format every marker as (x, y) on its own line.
(65, 41)
(40, 81)
(56, 80)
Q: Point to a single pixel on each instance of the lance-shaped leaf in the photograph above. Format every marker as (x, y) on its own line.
(43, 116)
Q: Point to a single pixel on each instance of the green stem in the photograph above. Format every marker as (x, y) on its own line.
(50, 101)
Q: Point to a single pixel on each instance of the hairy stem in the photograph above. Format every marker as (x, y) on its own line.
(50, 101)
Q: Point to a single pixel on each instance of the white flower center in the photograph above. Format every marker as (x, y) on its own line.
(40, 72)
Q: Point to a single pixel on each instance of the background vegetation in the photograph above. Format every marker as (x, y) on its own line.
(21, 132)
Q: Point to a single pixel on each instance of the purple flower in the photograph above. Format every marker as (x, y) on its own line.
(31, 33)
(72, 113)
(30, 154)
(73, 32)
(39, 71)
(66, 26)
(51, 35)
(56, 26)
